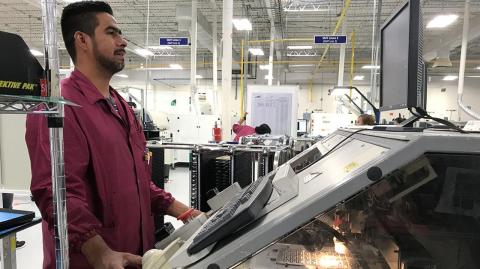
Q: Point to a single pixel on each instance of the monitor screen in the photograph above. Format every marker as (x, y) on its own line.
(301, 126)
(401, 73)
(395, 61)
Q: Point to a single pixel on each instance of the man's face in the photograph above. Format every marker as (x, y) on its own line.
(108, 44)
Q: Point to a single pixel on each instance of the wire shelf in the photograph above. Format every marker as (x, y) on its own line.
(13, 104)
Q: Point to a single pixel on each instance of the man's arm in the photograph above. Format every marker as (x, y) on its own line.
(163, 203)
(100, 255)
(243, 119)
(177, 208)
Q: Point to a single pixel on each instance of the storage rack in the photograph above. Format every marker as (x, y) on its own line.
(52, 107)
(216, 166)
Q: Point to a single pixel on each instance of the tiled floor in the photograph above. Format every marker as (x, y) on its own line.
(31, 255)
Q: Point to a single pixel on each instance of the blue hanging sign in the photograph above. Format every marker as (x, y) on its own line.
(330, 39)
(173, 41)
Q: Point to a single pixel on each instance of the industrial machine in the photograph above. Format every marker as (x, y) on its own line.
(357, 199)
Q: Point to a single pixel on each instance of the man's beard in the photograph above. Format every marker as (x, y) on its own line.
(108, 64)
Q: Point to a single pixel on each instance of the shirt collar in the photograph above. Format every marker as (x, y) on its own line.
(87, 88)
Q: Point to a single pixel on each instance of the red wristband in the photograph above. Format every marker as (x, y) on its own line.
(185, 215)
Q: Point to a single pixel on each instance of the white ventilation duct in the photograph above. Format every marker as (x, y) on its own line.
(204, 28)
(442, 59)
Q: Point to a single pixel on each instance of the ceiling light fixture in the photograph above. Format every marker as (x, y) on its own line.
(242, 24)
(36, 53)
(442, 21)
(358, 77)
(198, 76)
(264, 67)
(256, 51)
(121, 75)
(299, 47)
(144, 52)
(301, 65)
(294, 7)
(268, 76)
(176, 67)
(160, 47)
(450, 78)
(371, 67)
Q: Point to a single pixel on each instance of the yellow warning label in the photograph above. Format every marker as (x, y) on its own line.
(17, 85)
(349, 167)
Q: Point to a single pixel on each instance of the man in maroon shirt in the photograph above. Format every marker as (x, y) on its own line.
(110, 197)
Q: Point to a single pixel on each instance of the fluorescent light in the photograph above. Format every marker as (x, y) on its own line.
(478, 68)
(198, 76)
(72, 1)
(256, 51)
(340, 91)
(473, 76)
(35, 52)
(121, 75)
(450, 78)
(268, 76)
(144, 52)
(302, 54)
(358, 77)
(264, 67)
(299, 47)
(242, 24)
(301, 65)
(160, 47)
(442, 21)
(370, 67)
(176, 66)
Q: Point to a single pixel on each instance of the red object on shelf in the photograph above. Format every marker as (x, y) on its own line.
(217, 133)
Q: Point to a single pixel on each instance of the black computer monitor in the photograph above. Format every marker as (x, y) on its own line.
(402, 66)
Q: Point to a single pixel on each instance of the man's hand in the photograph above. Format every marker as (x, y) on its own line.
(100, 256)
(117, 260)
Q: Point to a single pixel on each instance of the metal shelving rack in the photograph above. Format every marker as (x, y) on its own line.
(53, 107)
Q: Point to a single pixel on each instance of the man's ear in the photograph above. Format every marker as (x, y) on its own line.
(81, 40)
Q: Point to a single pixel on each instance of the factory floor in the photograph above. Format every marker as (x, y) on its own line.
(30, 256)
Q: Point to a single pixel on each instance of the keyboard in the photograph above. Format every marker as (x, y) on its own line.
(243, 208)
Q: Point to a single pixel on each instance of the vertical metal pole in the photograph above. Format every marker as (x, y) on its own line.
(341, 64)
(352, 60)
(227, 67)
(242, 91)
(193, 56)
(215, 64)
(147, 62)
(55, 124)
(463, 56)
(9, 257)
(232, 164)
(270, 57)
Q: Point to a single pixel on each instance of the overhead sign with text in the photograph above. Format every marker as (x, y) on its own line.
(173, 41)
(330, 39)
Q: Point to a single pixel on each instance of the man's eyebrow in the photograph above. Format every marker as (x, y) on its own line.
(115, 29)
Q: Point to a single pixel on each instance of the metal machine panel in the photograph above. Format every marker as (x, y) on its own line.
(346, 170)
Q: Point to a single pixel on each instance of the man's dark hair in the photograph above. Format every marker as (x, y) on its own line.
(263, 129)
(81, 16)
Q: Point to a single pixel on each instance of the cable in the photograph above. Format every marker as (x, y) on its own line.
(424, 114)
